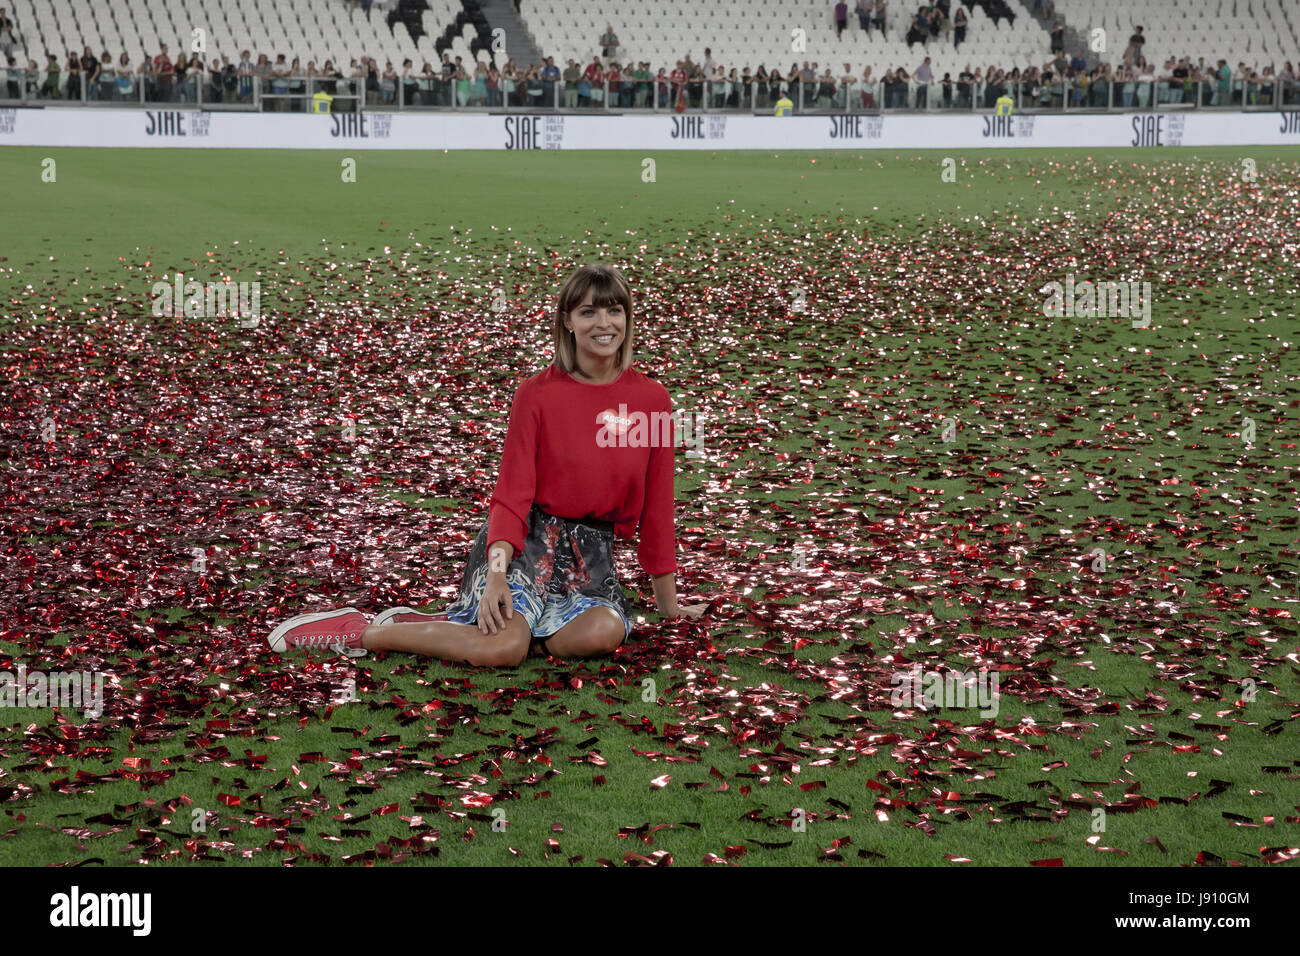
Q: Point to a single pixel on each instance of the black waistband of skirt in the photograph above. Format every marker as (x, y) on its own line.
(604, 527)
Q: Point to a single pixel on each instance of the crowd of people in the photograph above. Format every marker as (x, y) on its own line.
(287, 84)
(931, 21)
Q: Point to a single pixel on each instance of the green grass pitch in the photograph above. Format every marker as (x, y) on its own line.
(920, 303)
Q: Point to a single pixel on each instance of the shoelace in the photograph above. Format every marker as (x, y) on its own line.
(325, 640)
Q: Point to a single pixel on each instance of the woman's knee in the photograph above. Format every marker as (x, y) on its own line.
(508, 647)
(598, 630)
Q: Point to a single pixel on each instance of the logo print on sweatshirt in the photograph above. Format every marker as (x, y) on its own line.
(615, 424)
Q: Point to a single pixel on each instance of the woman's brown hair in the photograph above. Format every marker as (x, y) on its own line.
(608, 288)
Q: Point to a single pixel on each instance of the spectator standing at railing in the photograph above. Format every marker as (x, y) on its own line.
(868, 90)
(847, 79)
(13, 79)
(924, 75)
(194, 78)
(478, 85)
(594, 78)
(529, 84)
(230, 79)
(144, 77)
(427, 82)
(214, 92)
(493, 84)
(194, 70)
(965, 85)
(456, 74)
(889, 89)
(879, 13)
(1223, 84)
(1265, 91)
(614, 80)
(448, 70)
(180, 66)
(841, 18)
(462, 84)
(72, 87)
(826, 89)
(995, 88)
(162, 74)
(1126, 79)
(550, 74)
(609, 43)
(410, 83)
(1198, 86)
(1104, 86)
(643, 83)
(510, 84)
(678, 84)
(296, 86)
(51, 88)
(695, 86)
(244, 77)
(280, 81)
(959, 28)
(808, 82)
(572, 77)
(627, 99)
(106, 78)
(262, 71)
(90, 72)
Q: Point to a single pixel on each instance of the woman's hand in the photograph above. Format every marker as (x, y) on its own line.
(665, 586)
(496, 593)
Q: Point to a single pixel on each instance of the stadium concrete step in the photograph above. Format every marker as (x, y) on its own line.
(520, 45)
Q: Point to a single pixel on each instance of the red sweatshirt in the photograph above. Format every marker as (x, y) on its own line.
(590, 451)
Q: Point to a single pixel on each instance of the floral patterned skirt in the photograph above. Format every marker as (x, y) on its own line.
(567, 567)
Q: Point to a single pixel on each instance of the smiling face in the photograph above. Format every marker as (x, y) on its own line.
(597, 330)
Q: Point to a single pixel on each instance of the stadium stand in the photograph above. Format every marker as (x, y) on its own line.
(1005, 50)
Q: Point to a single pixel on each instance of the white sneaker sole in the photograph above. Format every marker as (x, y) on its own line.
(275, 640)
(387, 616)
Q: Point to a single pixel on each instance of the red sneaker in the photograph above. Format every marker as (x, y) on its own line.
(335, 630)
(405, 615)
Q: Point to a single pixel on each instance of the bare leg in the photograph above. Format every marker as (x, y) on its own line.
(454, 642)
(596, 631)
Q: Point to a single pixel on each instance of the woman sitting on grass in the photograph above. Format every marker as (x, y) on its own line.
(541, 571)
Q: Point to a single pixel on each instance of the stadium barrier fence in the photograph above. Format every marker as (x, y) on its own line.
(25, 88)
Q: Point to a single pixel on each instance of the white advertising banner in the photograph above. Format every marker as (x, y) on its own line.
(225, 130)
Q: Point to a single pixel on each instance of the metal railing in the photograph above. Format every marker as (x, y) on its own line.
(422, 93)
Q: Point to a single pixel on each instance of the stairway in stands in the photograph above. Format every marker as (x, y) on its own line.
(519, 42)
